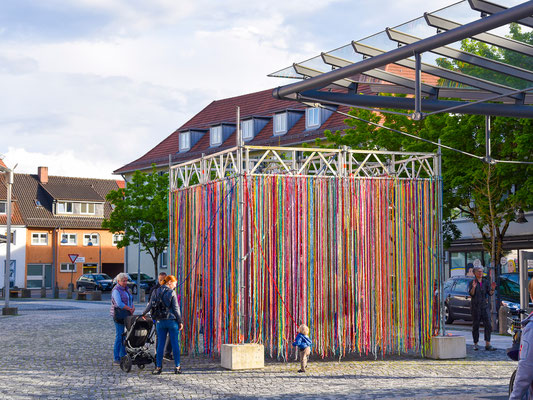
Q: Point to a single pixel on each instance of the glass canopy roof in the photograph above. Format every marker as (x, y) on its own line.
(494, 65)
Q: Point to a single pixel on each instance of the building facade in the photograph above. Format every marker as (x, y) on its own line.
(63, 236)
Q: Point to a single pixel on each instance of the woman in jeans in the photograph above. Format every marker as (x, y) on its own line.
(121, 299)
(169, 323)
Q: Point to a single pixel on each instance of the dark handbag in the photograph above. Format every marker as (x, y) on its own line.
(120, 315)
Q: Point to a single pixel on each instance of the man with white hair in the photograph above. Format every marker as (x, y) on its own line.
(480, 289)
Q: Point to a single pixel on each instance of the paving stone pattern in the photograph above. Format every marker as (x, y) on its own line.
(63, 350)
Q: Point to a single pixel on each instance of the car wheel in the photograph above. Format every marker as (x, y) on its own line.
(82, 288)
(447, 315)
(125, 363)
(134, 289)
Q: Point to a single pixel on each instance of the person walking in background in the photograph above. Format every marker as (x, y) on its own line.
(121, 307)
(523, 383)
(163, 307)
(303, 342)
(480, 289)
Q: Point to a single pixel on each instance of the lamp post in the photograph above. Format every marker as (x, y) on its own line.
(99, 269)
(9, 174)
(152, 240)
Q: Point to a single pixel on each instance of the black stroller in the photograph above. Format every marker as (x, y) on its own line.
(137, 341)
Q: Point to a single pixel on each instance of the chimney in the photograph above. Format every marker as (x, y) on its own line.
(42, 172)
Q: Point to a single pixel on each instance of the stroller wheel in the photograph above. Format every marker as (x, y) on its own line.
(141, 366)
(125, 363)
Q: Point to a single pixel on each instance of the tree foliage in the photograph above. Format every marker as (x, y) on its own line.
(488, 194)
(145, 199)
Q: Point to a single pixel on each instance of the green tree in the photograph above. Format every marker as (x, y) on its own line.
(484, 193)
(145, 199)
(488, 194)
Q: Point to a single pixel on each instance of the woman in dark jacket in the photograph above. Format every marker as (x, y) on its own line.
(169, 323)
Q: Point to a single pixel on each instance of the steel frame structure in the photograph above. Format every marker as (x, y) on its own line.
(427, 98)
(303, 161)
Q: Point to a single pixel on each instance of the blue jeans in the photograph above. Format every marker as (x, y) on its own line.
(119, 350)
(171, 327)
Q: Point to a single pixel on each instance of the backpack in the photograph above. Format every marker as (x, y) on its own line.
(158, 310)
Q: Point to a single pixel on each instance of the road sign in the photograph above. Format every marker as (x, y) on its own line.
(80, 259)
(73, 257)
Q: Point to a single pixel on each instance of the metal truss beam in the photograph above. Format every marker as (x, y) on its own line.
(495, 109)
(469, 58)
(303, 161)
(382, 75)
(442, 39)
(438, 71)
(489, 38)
(490, 8)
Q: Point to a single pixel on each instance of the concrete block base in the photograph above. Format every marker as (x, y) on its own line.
(43, 293)
(25, 293)
(81, 296)
(96, 295)
(447, 347)
(10, 311)
(242, 356)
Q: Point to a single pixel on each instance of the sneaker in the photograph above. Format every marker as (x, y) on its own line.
(475, 347)
(157, 371)
(116, 362)
(168, 357)
(177, 370)
(301, 370)
(490, 348)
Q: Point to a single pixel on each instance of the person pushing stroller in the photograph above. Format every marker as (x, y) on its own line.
(163, 307)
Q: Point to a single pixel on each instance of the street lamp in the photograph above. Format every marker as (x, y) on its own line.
(9, 184)
(152, 240)
(90, 243)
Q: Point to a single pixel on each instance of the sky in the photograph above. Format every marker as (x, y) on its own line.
(91, 85)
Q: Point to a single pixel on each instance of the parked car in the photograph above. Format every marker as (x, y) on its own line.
(457, 299)
(101, 282)
(146, 284)
(145, 280)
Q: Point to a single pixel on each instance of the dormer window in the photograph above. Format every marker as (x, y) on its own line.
(64, 208)
(185, 141)
(312, 117)
(87, 208)
(215, 136)
(247, 129)
(3, 207)
(280, 123)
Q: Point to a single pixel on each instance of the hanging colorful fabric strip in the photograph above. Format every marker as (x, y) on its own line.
(353, 258)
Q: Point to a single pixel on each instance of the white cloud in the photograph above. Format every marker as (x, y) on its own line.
(95, 94)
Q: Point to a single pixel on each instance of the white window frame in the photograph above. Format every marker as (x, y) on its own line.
(87, 206)
(215, 135)
(185, 141)
(247, 129)
(94, 239)
(64, 205)
(312, 117)
(3, 207)
(117, 237)
(67, 267)
(280, 123)
(72, 239)
(37, 238)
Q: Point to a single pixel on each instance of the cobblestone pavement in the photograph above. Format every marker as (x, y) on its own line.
(63, 349)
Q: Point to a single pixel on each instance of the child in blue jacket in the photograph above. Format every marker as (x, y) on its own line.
(304, 345)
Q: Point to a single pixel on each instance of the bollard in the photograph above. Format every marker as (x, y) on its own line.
(503, 313)
(43, 293)
(142, 297)
(25, 293)
(69, 293)
(56, 292)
